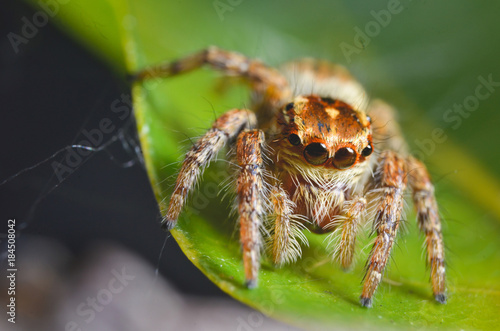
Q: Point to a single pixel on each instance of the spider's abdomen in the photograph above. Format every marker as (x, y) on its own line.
(310, 76)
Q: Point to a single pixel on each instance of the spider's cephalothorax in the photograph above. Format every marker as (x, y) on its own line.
(322, 148)
(309, 156)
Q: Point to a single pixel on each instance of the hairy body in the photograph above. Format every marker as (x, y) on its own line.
(309, 156)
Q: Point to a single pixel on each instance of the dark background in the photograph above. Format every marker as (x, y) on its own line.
(51, 91)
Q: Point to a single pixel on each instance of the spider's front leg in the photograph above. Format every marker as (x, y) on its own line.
(429, 223)
(251, 206)
(225, 128)
(390, 183)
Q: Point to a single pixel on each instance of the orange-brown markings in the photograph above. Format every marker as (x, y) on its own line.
(429, 223)
(323, 120)
(391, 179)
(251, 204)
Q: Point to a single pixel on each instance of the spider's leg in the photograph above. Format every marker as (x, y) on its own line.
(390, 183)
(386, 130)
(225, 128)
(250, 200)
(286, 233)
(348, 228)
(429, 223)
(264, 79)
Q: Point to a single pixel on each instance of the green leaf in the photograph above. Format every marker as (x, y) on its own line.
(404, 64)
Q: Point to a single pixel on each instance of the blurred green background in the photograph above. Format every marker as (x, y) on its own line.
(428, 58)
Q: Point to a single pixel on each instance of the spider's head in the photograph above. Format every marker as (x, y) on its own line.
(323, 133)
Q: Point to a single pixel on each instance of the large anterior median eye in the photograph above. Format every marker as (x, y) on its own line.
(316, 153)
(344, 158)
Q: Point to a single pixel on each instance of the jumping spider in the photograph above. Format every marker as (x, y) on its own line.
(308, 155)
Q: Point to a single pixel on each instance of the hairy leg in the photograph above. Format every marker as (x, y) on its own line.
(225, 128)
(250, 200)
(390, 183)
(266, 80)
(429, 223)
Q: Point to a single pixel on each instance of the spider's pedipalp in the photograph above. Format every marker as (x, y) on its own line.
(348, 228)
(286, 232)
(251, 205)
(225, 128)
(429, 223)
(390, 180)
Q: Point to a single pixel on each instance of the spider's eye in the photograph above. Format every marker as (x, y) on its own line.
(367, 151)
(289, 106)
(294, 139)
(316, 153)
(344, 158)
